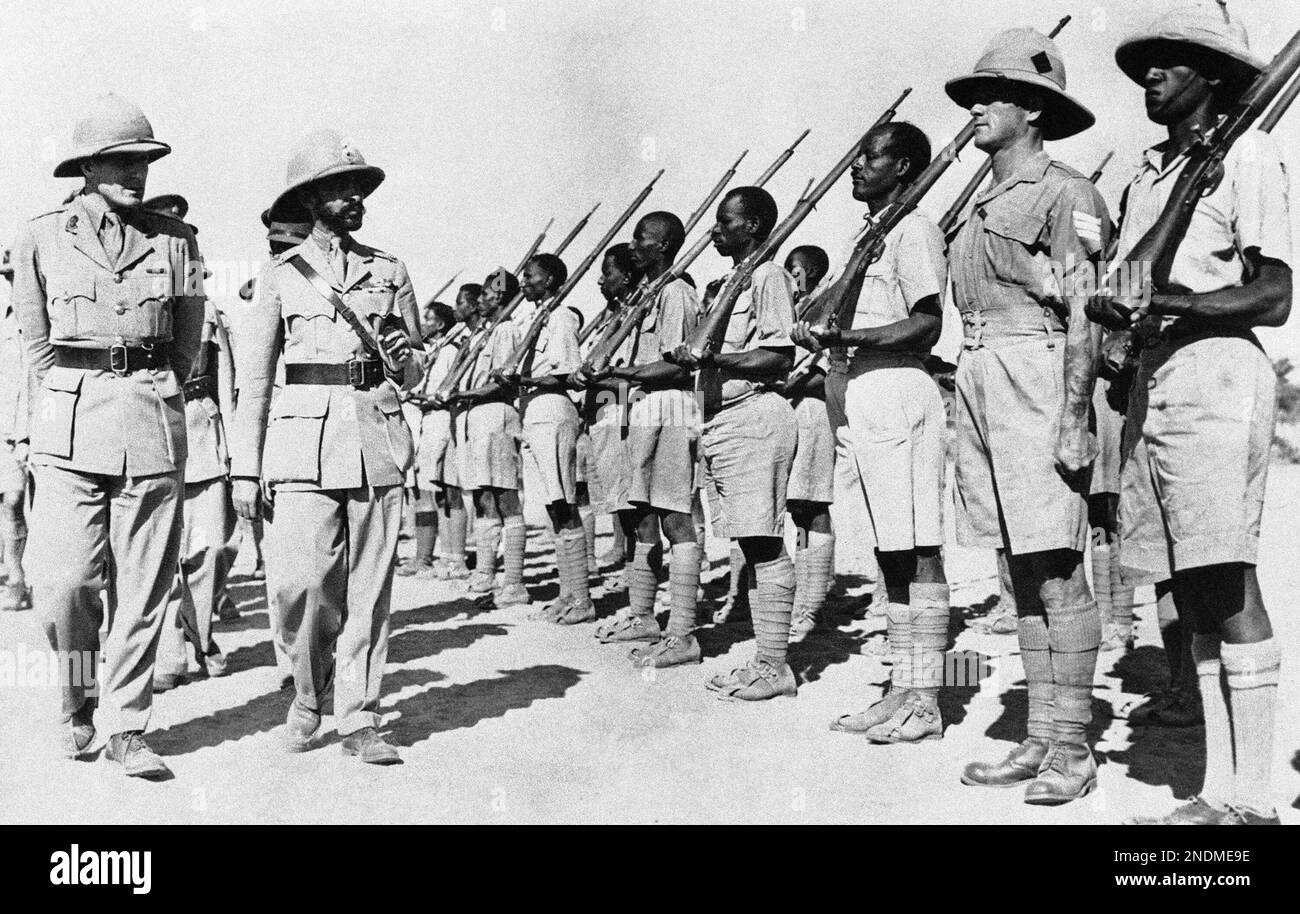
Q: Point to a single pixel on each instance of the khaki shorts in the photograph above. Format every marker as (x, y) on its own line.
(662, 439)
(748, 450)
(895, 436)
(13, 475)
(1196, 451)
(491, 457)
(550, 436)
(1009, 493)
(812, 476)
(608, 474)
(1108, 426)
(582, 471)
(435, 450)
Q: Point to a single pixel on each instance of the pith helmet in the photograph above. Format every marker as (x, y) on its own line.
(287, 232)
(1221, 43)
(111, 125)
(1028, 57)
(320, 155)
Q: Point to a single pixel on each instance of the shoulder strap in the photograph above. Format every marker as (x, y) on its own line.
(326, 291)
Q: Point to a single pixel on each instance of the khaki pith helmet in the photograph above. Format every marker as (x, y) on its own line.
(111, 125)
(320, 155)
(1028, 57)
(1220, 42)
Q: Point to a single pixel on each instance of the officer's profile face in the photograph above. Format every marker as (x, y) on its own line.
(613, 282)
(876, 170)
(1174, 87)
(119, 178)
(1003, 114)
(336, 201)
(734, 228)
(649, 240)
(535, 282)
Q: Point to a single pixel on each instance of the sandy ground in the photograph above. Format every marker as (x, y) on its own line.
(504, 720)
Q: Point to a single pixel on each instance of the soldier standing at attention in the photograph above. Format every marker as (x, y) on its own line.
(749, 437)
(15, 400)
(894, 431)
(663, 436)
(487, 445)
(209, 522)
(1202, 405)
(343, 318)
(812, 477)
(1024, 387)
(110, 303)
(550, 429)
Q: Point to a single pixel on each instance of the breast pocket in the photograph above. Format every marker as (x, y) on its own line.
(377, 299)
(137, 306)
(71, 302)
(308, 328)
(293, 437)
(1015, 240)
(55, 414)
(738, 326)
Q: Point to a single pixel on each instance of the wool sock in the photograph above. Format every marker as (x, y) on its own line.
(1101, 578)
(898, 635)
(515, 536)
(488, 530)
(574, 543)
(817, 563)
(1217, 789)
(683, 587)
(588, 518)
(1252, 671)
(426, 532)
(1073, 634)
(772, 608)
(644, 581)
(454, 537)
(1036, 655)
(1121, 601)
(929, 637)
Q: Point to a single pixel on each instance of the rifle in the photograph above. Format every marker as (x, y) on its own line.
(537, 243)
(713, 324)
(467, 354)
(1101, 166)
(445, 286)
(525, 347)
(1204, 167)
(643, 299)
(713, 195)
(573, 233)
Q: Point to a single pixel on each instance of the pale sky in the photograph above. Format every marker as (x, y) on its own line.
(490, 117)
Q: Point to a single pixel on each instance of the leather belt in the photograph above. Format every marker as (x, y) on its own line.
(197, 388)
(119, 359)
(362, 374)
(1184, 331)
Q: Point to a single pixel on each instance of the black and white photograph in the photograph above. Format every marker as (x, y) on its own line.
(622, 412)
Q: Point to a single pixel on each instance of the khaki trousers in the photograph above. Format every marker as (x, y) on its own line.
(330, 557)
(119, 533)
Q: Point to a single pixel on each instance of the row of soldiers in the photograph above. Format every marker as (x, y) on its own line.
(319, 446)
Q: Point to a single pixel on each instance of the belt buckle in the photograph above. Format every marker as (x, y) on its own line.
(356, 373)
(117, 359)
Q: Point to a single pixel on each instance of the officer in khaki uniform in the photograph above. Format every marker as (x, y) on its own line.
(15, 398)
(110, 302)
(1024, 386)
(343, 318)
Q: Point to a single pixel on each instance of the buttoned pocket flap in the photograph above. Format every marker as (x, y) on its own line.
(1023, 227)
(65, 379)
(301, 400)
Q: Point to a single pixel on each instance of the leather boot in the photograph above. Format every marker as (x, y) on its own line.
(1068, 773)
(1020, 765)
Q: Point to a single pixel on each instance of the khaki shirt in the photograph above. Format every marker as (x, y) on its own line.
(763, 318)
(16, 382)
(668, 323)
(1001, 260)
(68, 291)
(322, 436)
(1247, 209)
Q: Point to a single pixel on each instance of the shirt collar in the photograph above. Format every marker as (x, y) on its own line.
(1154, 157)
(1030, 171)
(326, 239)
(96, 208)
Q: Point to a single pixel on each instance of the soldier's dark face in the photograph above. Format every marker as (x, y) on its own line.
(875, 172)
(804, 273)
(649, 242)
(337, 201)
(535, 283)
(120, 179)
(1173, 88)
(734, 230)
(1003, 114)
(613, 282)
(489, 300)
(465, 305)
